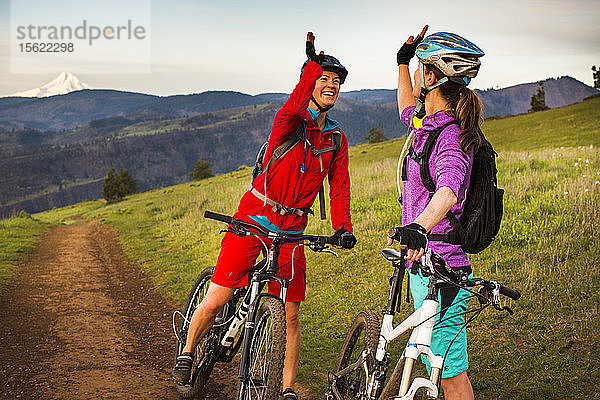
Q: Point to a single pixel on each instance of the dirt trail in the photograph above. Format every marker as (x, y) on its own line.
(79, 321)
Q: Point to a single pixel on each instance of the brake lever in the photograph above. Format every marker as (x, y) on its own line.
(318, 247)
(237, 230)
(328, 250)
(504, 308)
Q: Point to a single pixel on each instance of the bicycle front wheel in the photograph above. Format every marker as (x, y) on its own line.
(267, 353)
(205, 354)
(363, 335)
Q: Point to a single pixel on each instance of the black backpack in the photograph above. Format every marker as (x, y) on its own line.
(298, 136)
(480, 221)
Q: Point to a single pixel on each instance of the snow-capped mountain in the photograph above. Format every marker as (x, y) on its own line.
(64, 83)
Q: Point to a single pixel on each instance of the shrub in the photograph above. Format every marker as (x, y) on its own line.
(116, 187)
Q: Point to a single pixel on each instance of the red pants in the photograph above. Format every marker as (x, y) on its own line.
(239, 253)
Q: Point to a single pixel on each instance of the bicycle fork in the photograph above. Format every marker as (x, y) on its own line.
(248, 330)
(250, 304)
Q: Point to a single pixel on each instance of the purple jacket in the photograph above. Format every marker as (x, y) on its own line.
(449, 166)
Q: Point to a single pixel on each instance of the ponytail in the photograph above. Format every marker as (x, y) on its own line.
(467, 109)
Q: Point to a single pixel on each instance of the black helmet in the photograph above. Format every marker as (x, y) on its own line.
(330, 63)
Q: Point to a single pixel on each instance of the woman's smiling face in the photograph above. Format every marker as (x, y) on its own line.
(327, 88)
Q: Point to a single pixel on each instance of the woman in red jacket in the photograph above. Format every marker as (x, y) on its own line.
(280, 199)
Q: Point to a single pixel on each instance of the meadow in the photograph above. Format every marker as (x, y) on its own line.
(548, 248)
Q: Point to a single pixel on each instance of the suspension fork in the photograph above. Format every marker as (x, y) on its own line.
(249, 327)
(257, 284)
(421, 336)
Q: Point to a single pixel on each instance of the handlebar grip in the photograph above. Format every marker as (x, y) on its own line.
(219, 217)
(332, 240)
(392, 232)
(512, 293)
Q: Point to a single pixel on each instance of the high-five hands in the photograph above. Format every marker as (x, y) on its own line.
(408, 49)
(310, 49)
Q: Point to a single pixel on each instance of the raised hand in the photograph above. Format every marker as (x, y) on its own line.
(408, 49)
(310, 49)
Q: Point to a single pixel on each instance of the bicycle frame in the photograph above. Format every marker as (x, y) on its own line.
(244, 315)
(263, 272)
(422, 322)
(374, 362)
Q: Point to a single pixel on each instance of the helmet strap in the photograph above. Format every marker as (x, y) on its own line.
(320, 107)
(420, 107)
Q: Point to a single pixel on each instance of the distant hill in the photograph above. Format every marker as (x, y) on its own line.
(79, 108)
(68, 110)
(516, 99)
(55, 151)
(507, 101)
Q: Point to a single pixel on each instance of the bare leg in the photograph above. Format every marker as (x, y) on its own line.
(204, 316)
(292, 347)
(458, 387)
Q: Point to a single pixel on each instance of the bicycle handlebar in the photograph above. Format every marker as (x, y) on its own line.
(432, 258)
(219, 217)
(437, 265)
(512, 293)
(317, 242)
(504, 290)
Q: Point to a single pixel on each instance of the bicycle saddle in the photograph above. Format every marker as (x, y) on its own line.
(391, 255)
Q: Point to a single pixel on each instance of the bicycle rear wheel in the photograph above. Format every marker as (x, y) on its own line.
(363, 335)
(267, 353)
(206, 353)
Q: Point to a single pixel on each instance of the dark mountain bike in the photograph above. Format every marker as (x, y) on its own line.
(362, 366)
(252, 320)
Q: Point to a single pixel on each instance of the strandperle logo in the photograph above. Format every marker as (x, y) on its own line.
(84, 37)
(91, 33)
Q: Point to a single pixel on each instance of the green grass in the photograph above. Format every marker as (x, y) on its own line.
(576, 125)
(548, 248)
(18, 236)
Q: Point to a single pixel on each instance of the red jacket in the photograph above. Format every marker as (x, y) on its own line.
(286, 184)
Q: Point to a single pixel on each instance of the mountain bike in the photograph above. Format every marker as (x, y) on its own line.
(362, 365)
(252, 321)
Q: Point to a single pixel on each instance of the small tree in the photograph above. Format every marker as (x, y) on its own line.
(201, 170)
(118, 186)
(538, 100)
(596, 75)
(376, 135)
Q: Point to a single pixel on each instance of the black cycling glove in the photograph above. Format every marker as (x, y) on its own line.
(310, 50)
(413, 236)
(344, 238)
(407, 51)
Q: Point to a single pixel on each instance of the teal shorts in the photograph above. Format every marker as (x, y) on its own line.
(457, 360)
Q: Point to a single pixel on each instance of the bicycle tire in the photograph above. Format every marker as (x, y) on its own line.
(392, 387)
(267, 354)
(363, 335)
(205, 354)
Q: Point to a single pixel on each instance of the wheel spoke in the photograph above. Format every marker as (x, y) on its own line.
(363, 335)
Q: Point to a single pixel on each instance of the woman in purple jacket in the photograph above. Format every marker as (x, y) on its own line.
(440, 98)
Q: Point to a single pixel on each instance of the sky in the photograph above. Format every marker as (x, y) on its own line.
(258, 46)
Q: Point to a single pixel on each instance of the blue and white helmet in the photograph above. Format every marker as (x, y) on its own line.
(452, 54)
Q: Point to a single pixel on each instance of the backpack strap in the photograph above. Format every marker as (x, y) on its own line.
(298, 136)
(335, 146)
(288, 145)
(424, 156)
(455, 236)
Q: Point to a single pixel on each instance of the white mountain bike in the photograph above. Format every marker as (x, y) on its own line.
(361, 369)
